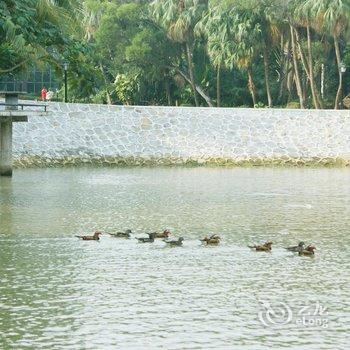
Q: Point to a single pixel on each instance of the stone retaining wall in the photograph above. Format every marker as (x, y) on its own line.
(100, 134)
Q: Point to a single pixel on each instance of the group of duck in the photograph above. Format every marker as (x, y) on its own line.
(309, 250)
(301, 249)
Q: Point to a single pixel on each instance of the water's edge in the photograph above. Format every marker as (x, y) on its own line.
(44, 162)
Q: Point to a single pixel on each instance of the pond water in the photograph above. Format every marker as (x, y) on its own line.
(57, 292)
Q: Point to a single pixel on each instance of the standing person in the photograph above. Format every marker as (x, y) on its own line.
(43, 94)
(49, 95)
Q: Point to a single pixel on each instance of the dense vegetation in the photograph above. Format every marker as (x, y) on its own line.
(187, 52)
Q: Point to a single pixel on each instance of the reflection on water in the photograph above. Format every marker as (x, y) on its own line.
(57, 292)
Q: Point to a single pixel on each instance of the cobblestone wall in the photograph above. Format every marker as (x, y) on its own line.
(99, 134)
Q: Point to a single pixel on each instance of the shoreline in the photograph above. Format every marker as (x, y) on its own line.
(72, 161)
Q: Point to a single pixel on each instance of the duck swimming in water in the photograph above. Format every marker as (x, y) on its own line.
(266, 247)
(164, 234)
(212, 240)
(95, 237)
(149, 239)
(174, 243)
(296, 248)
(308, 251)
(125, 234)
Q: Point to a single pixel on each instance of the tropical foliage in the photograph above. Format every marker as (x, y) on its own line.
(270, 53)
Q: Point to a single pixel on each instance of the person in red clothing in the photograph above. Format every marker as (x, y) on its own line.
(43, 93)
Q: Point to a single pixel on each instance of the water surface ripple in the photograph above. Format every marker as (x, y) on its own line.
(57, 292)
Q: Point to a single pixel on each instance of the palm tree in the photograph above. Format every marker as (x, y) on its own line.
(216, 54)
(215, 26)
(231, 40)
(90, 15)
(306, 14)
(265, 13)
(296, 66)
(179, 18)
(282, 50)
(332, 16)
(245, 44)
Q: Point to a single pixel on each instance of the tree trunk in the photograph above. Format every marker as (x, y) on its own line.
(322, 81)
(267, 77)
(218, 86)
(290, 84)
(306, 66)
(302, 55)
(108, 95)
(167, 91)
(251, 85)
(281, 73)
(285, 61)
(311, 69)
(305, 85)
(190, 70)
(340, 86)
(296, 69)
(198, 88)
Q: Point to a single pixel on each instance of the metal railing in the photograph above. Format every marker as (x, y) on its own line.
(21, 106)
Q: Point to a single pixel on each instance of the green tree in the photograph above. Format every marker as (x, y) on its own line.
(179, 17)
(215, 27)
(331, 16)
(31, 30)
